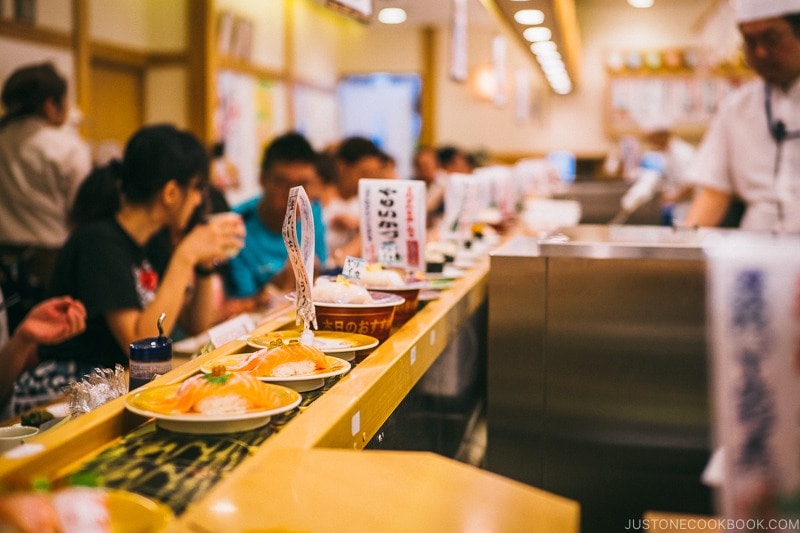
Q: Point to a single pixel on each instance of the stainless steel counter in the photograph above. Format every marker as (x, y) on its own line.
(597, 369)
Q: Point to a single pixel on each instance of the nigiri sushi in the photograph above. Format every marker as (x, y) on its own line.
(285, 360)
(220, 392)
(339, 291)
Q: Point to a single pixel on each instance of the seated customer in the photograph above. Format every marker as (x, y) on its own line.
(356, 158)
(50, 322)
(105, 265)
(261, 270)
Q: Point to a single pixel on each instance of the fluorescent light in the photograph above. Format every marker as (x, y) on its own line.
(529, 17)
(392, 15)
(546, 54)
(536, 34)
(545, 46)
(641, 4)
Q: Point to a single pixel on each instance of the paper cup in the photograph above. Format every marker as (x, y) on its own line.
(753, 305)
(13, 436)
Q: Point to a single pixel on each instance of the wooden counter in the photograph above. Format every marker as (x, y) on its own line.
(307, 476)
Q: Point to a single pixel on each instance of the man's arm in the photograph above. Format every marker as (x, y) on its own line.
(708, 207)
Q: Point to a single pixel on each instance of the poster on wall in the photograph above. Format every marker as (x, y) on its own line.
(244, 121)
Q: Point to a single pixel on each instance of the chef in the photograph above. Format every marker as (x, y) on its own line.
(752, 148)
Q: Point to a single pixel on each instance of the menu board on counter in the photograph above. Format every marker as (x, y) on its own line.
(393, 222)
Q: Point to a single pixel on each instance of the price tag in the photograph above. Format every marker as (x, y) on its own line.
(354, 267)
(301, 256)
(393, 222)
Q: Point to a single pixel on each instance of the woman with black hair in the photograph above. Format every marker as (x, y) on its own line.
(105, 264)
(42, 164)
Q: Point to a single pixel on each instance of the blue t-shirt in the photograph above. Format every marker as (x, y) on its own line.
(264, 253)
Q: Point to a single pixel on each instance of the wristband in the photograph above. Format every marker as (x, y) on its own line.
(203, 272)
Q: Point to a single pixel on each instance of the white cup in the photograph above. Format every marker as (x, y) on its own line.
(224, 218)
(13, 436)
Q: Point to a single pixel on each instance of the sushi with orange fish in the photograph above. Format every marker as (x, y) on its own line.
(220, 392)
(283, 360)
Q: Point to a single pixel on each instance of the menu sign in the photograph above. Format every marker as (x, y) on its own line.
(393, 222)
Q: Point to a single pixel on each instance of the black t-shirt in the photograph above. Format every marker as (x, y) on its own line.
(104, 268)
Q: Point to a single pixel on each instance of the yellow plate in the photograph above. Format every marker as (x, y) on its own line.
(141, 403)
(134, 513)
(330, 342)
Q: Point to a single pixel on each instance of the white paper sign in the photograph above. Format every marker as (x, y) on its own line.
(301, 255)
(461, 205)
(353, 267)
(754, 311)
(237, 327)
(393, 222)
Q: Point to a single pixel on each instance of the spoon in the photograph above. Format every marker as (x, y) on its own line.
(161, 324)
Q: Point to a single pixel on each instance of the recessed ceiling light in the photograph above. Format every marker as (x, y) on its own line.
(641, 4)
(537, 33)
(392, 15)
(529, 17)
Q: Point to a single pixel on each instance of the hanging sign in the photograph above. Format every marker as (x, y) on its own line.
(301, 256)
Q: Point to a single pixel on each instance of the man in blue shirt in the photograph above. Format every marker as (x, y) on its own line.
(262, 268)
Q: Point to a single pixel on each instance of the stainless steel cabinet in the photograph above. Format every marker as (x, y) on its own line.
(597, 370)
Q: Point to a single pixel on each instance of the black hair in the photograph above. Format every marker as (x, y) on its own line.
(97, 197)
(290, 147)
(28, 88)
(354, 149)
(446, 155)
(794, 21)
(326, 168)
(154, 156)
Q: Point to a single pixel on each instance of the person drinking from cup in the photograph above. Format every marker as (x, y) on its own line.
(104, 263)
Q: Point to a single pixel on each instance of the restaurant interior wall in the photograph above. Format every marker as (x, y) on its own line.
(462, 117)
(577, 120)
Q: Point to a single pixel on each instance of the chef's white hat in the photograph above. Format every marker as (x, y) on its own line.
(749, 10)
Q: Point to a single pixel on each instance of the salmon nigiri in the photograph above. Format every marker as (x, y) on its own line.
(220, 392)
(285, 360)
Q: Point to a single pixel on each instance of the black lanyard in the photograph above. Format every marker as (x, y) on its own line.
(777, 131)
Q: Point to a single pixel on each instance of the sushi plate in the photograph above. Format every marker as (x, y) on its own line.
(338, 343)
(141, 404)
(300, 383)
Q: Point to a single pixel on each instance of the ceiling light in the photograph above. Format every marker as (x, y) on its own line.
(545, 46)
(537, 33)
(641, 3)
(392, 15)
(545, 54)
(529, 17)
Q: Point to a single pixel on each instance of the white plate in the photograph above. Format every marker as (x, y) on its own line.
(300, 383)
(209, 424)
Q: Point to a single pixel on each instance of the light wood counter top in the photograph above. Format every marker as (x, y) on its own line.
(307, 476)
